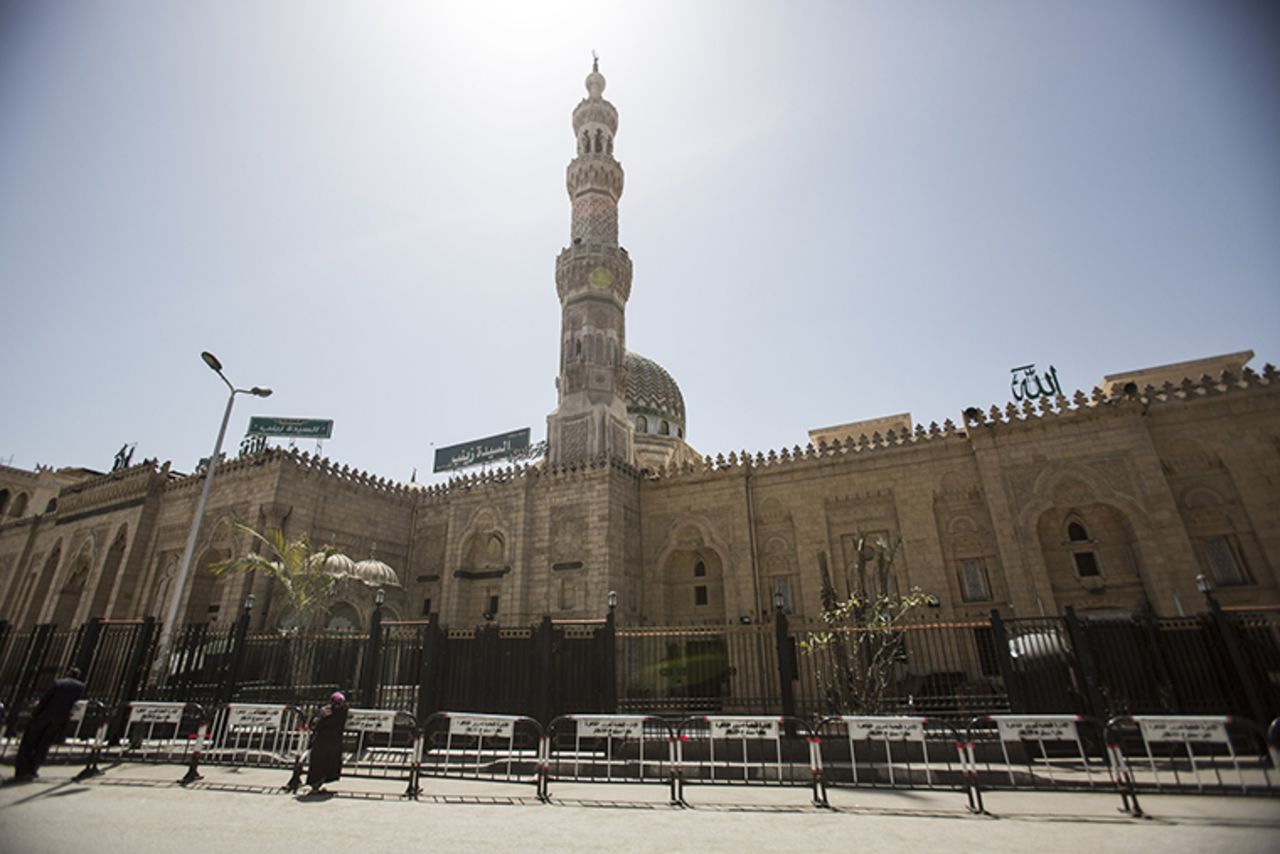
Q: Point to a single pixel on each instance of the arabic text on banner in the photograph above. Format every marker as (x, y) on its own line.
(1176, 728)
(743, 727)
(370, 720)
(1030, 728)
(482, 726)
(630, 726)
(885, 729)
(266, 717)
(156, 713)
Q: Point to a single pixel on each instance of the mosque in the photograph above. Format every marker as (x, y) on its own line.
(1111, 501)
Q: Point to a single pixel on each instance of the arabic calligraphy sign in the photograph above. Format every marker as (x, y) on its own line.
(609, 726)
(1045, 385)
(1041, 728)
(252, 716)
(482, 726)
(503, 446)
(370, 720)
(885, 729)
(156, 713)
(744, 727)
(298, 428)
(1177, 728)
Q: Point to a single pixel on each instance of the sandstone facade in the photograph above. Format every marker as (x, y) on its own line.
(1112, 501)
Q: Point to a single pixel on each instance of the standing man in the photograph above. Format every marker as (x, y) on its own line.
(47, 722)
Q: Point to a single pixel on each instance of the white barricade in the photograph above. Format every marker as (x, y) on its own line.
(155, 731)
(904, 743)
(1175, 747)
(608, 749)
(255, 734)
(747, 749)
(492, 747)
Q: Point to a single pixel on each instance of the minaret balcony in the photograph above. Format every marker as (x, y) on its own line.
(594, 267)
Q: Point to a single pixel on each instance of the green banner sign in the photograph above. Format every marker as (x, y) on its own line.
(504, 446)
(293, 428)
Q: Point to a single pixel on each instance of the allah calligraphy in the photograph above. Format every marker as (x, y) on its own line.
(1028, 385)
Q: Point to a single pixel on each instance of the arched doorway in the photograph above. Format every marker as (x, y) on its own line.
(64, 611)
(107, 578)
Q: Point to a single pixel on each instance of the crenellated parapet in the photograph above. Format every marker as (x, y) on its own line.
(1080, 405)
(739, 463)
(324, 468)
(1099, 403)
(117, 487)
(531, 473)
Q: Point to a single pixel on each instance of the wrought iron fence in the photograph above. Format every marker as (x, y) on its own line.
(1212, 664)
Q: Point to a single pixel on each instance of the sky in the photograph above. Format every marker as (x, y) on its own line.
(836, 211)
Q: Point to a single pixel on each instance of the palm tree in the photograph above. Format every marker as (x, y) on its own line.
(303, 572)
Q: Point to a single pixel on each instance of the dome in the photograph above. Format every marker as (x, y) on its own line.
(375, 573)
(337, 564)
(652, 393)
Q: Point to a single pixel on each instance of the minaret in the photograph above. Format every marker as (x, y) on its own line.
(593, 281)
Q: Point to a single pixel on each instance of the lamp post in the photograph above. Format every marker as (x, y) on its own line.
(1206, 589)
(184, 568)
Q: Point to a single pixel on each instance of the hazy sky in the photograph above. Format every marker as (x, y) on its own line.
(836, 210)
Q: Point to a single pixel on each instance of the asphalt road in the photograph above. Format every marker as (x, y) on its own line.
(139, 809)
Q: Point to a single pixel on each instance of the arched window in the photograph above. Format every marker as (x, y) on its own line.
(680, 432)
(664, 428)
(343, 617)
(4, 500)
(1082, 553)
(599, 142)
(51, 506)
(699, 569)
(19, 506)
(642, 424)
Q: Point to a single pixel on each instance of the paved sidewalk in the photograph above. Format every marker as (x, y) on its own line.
(140, 809)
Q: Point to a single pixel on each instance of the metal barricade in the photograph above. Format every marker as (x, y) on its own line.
(896, 752)
(505, 748)
(257, 734)
(742, 749)
(377, 744)
(608, 749)
(151, 732)
(160, 732)
(1049, 752)
(1203, 754)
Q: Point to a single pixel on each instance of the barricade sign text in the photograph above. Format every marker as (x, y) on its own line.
(156, 713)
(607, 726)
(885, 729)
(482, 726)
(734, 727)
(370, 720)
(245, 716)
(1045, 728)
(1171, 728)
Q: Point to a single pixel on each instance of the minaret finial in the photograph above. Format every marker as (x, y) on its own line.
(595, 62)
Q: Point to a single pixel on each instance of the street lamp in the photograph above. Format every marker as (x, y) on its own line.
(613, 599)
(1206, 590)
(184, 568)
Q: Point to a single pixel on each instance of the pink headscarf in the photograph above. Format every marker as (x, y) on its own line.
(337, 698)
